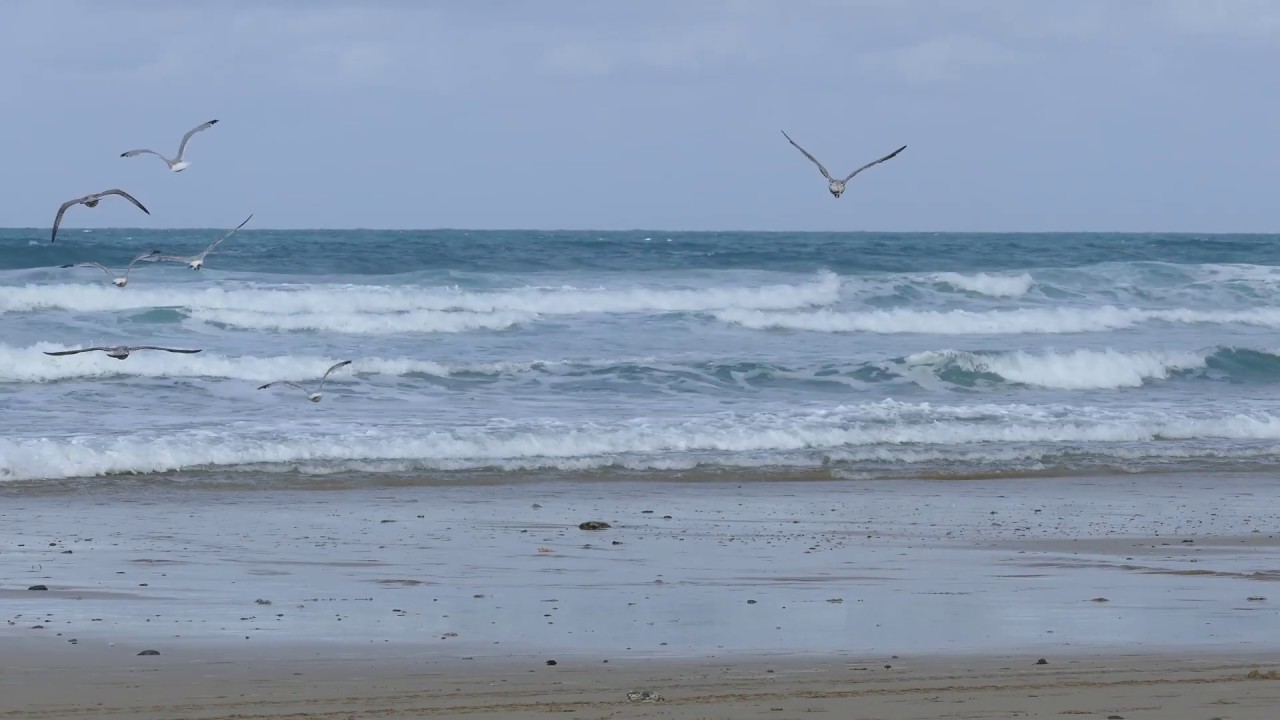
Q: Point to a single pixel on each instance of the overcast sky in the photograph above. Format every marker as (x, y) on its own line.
(1144, 115)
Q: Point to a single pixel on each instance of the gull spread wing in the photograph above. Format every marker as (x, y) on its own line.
(326, 372)
(91, 264)
(132, 153)
(282, 382)
(225, 235)
(875, 162)
(126, 196)
(154, 347)
(62, 210)
(182, 147)
(73, 352)
(821, 169)
(144, 256)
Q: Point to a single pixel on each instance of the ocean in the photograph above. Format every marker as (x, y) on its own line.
(505, 355)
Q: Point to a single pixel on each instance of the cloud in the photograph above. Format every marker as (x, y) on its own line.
(940, 59)
(1246, 19)
(666, 50)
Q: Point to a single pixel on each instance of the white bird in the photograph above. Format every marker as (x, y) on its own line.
(117, 280)
(312, 396)
(177, 164)
(120, 352)
(92, 200)
(195, 262)
(837, 186)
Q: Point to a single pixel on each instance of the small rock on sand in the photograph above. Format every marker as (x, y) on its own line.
(38, 587)
(149, 652)
(647, 696)
(594, 525)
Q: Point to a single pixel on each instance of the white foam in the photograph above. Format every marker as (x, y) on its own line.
(1073, 370)
(987, 283)
(993, 322)
(761, 439)
(417, 321)
(365, 299)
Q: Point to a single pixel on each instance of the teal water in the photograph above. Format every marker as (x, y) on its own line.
(841, 355)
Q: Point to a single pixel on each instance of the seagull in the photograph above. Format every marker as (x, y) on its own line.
(117, 280)
(120, 352)
(177, 164)
(92, 200)
(837, 186)
(312, 396)
(195, 262)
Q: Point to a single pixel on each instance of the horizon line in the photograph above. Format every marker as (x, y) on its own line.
(67, 230)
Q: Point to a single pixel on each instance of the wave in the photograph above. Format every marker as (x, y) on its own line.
(993, 322)
(1073, 370)
(418, 321)
(1079, 369)
(313, 300)
(737, 440)
(1003, 286)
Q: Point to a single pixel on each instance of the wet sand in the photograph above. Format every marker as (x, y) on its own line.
(300, 685)
(443, 600)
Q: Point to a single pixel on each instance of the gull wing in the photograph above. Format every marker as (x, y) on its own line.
(821, 169)
(326, 372)
(155, 347)
(283, 382)
(875, 162)
(141, 151)
(182, 147)
(126, 196)
(224, 236)
(73, 352)
(62, 210)
(91, 264)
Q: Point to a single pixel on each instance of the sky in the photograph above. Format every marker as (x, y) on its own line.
(1053, 115)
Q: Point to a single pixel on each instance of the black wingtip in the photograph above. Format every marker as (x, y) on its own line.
(64, 267)
(264, 387)
(144, 210)
(46, 352)
(124, 154)
(213, 122)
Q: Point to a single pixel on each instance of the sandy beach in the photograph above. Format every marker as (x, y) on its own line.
(1147, 597)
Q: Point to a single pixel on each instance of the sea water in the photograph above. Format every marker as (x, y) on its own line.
(508, 354)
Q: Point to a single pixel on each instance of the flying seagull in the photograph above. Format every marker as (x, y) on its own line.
(312, 396)
(177, 164)
(92, 200)
(195, 262)
(837, 186)
(117, 280)
(120, 352)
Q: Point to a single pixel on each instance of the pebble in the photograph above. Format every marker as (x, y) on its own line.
(149, 652)
(38, 587)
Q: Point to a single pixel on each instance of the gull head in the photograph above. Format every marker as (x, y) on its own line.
(196, 264)
(120, 281)
(180, 166)
(91, 203)
(118, 353)
(836, 187)
(315, 397)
